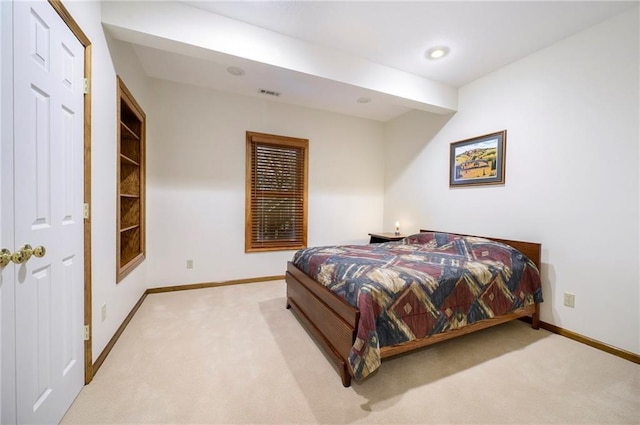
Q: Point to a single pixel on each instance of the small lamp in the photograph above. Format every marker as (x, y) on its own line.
(397, 228)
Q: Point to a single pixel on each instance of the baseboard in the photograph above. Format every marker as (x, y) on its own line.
(212, 284)
(107, 349)
(103, 355)
(627, 355)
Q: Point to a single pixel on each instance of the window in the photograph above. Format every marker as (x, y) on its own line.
(276, 193)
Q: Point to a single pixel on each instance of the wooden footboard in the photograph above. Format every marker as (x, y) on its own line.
(394, 350)
(326, 316)
(334, 323)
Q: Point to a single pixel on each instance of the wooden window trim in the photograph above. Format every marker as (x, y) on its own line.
(273, 140)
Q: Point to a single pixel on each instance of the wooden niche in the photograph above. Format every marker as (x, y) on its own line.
(130, 249)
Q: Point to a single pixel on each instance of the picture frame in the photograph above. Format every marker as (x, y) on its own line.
(478, 161)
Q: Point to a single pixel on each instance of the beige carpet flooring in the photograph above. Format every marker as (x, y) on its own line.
(235, 355)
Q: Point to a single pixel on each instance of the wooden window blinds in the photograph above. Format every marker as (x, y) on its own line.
(276, 193)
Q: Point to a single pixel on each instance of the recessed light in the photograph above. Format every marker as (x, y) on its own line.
(363, 99)
(235, 71)
(437, 52)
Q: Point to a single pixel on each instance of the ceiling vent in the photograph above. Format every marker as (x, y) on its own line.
(269, 92)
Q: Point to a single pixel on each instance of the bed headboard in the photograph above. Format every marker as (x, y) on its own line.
(532, 250)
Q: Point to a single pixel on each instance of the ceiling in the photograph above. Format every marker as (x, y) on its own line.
(328, 54)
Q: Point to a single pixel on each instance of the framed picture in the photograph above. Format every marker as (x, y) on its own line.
(478, 161)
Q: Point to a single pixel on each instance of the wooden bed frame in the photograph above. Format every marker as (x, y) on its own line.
(334, 323)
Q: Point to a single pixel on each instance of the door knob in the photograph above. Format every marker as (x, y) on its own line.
(22, 255)
(26, 251)
(5, 257)
(39, 251)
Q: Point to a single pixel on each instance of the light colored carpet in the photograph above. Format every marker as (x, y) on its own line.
(236, 355)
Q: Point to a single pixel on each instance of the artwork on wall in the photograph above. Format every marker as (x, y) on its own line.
(478, 161)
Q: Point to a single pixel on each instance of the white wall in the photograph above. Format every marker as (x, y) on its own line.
(196, 181)
(119, 298)
(572, 117)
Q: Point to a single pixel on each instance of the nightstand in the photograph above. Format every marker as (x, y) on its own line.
(385, 237)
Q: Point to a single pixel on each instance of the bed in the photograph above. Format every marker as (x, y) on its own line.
(365, 303)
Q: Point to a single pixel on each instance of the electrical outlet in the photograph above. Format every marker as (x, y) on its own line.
(569, 299)
(189, 264)
(104, 312)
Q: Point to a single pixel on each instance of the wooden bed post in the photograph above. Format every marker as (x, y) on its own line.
(535, 317)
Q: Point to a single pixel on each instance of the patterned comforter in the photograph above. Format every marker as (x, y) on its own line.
(422, 285)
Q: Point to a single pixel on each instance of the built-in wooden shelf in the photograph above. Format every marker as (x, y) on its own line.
(128, 160)
(131, 183)
(125, 229)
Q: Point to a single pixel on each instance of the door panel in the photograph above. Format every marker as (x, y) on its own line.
(48, 184)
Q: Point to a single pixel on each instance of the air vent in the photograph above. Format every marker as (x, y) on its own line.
(269, 92)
